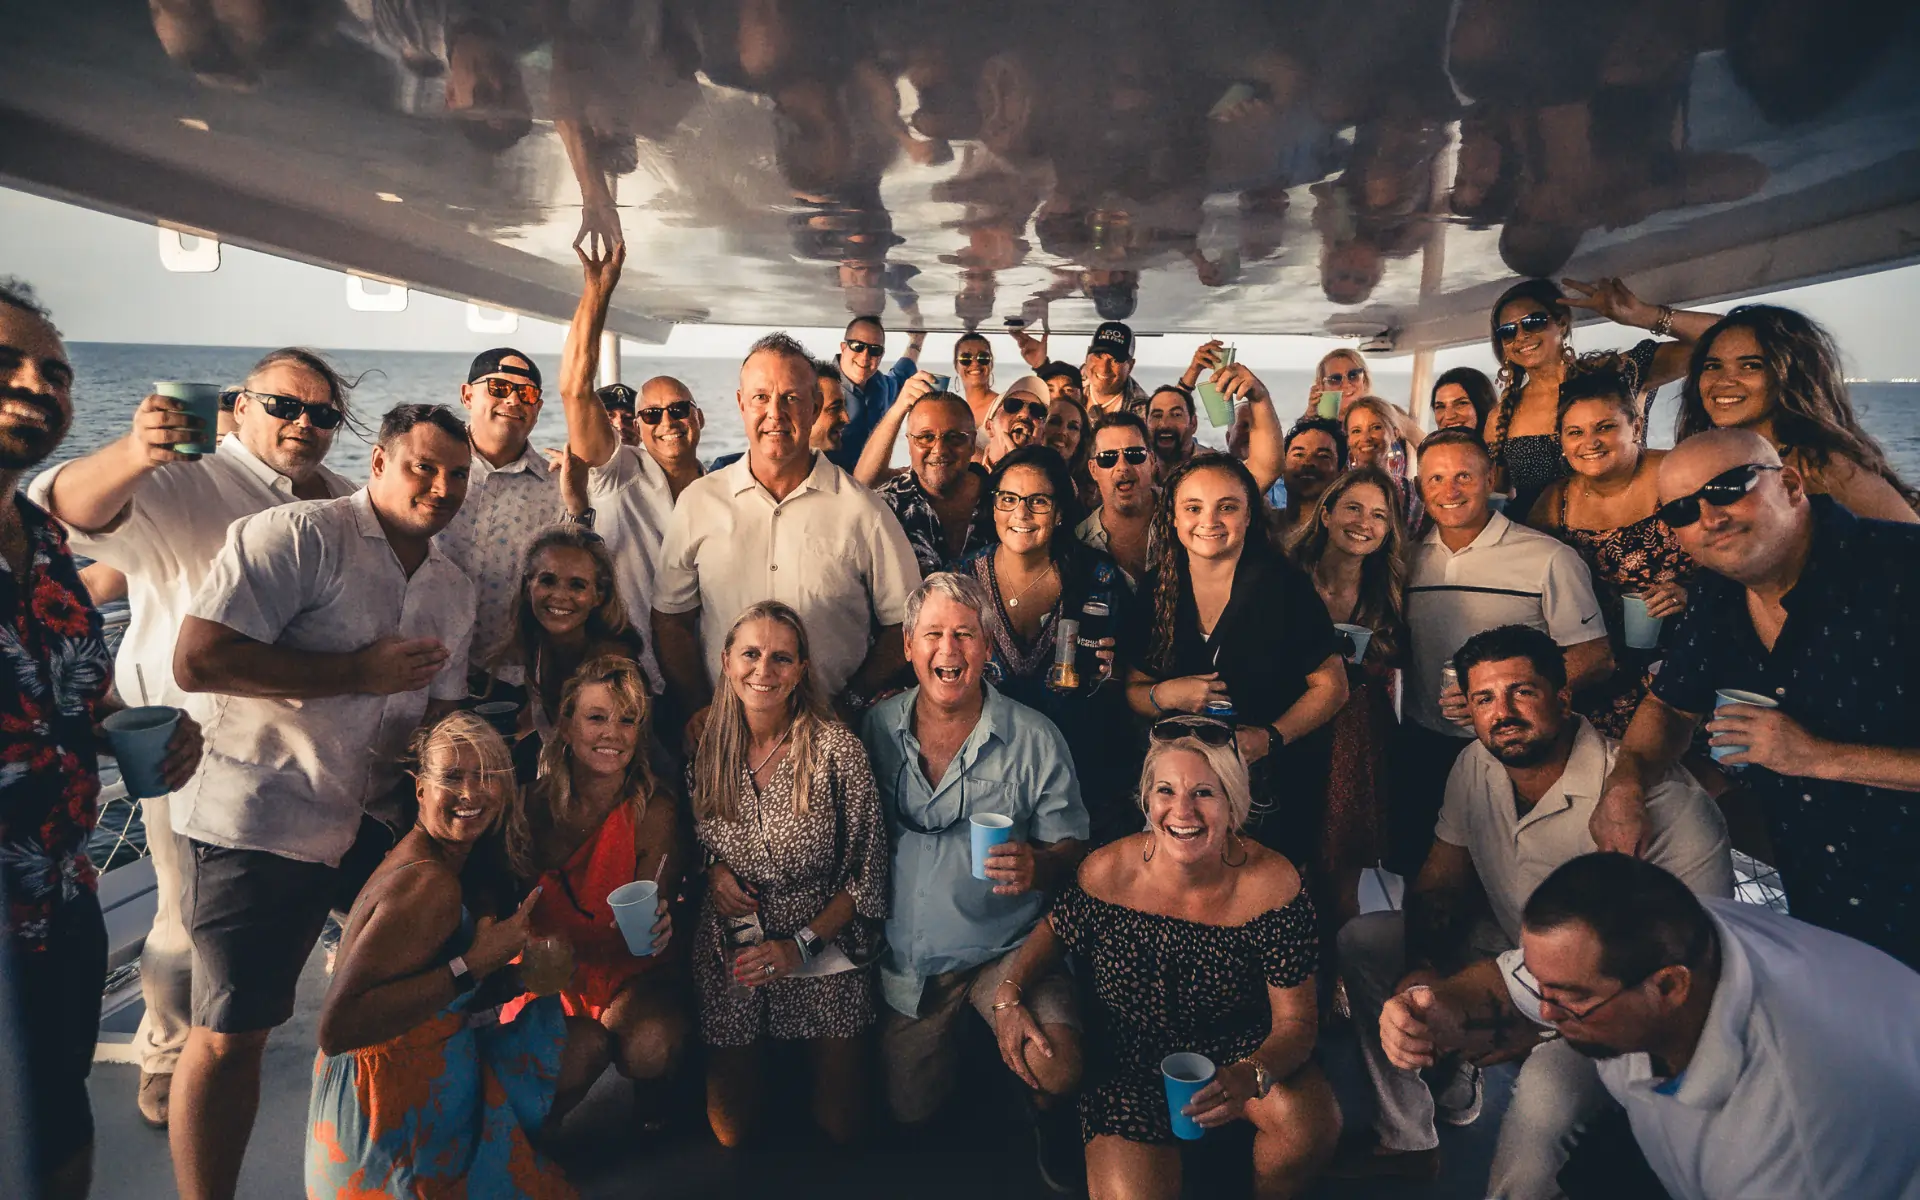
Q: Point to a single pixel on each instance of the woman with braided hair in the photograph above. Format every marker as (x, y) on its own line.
(1226, 620)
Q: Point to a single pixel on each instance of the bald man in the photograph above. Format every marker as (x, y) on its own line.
(1818, 610)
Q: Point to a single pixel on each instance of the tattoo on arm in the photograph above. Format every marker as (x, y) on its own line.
(1438, 922)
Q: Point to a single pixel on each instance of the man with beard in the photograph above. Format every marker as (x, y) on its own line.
(870, 392)
(58, 674)
(1123, 524)
(1316, 454)
(160, 517)
(1517, 805)
(1755, 1055)
(1016, 420)
(1107, 373)
(1810, 607)
(1171, 424)
(325, 633)
(941, 500)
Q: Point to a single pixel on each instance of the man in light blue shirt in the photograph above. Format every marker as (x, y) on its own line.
(951, 935)
(869, 391)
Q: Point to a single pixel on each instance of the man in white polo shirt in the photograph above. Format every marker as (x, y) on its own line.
(159, 517)
(1755, 1055)
(1475, 570)
(325, 633)
(784, 524)
(1517, 805)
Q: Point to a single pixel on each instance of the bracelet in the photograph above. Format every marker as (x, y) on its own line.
(1663, 324)
(1155, 700)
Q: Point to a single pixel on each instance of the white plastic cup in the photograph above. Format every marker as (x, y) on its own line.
(1726, 696)
(635, 908)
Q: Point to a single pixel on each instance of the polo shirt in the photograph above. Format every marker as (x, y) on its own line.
(866, 404)
(292, 777)
(831, 550)
(1508, 575)
(1844, 667)
(632, 500)
(1806, 1079)
(504, 511)
(942, 918)
(913, 507)
(1513, 852)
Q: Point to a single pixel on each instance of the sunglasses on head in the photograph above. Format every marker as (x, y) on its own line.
(1532, 323)
(679, 410)
(1723, 489)
(1105, 459)
(1336, 378)
(500, 389)
(1208, 731)
(289, 408)
(968, 360)
(865, 347)
(1014, 406)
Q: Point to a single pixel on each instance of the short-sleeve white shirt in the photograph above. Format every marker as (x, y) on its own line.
(632, 499)
(292, 777)
(1806, 1079)
(1508, 575)
(505, 509)
(832, 550)
(165, 542)
(1512, 853)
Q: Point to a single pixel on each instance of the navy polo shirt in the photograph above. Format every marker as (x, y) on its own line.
(1846, 667)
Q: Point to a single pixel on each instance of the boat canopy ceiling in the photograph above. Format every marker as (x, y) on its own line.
(1367, 168)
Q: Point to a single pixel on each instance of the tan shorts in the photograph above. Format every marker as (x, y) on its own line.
(919, 1051)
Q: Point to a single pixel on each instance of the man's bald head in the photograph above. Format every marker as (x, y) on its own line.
(944, 408)
(1758, 536)
(663, 390)
(1711, 453)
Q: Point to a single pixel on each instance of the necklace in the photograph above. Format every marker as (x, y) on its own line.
(1014, 601)
(776, 749)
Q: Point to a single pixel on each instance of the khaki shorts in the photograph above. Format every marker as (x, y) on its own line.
(918, 1052)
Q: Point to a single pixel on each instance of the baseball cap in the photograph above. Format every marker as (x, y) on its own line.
(490, 363)
(617, 396)
(1056, 369)
(1113, 338)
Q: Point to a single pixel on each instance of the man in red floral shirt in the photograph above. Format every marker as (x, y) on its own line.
(58, 674)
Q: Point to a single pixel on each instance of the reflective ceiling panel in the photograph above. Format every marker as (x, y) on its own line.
(1357, 167)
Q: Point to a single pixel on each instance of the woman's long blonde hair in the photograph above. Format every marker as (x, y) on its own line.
(631, 697)
(525, 642)
(723, 754)
(501, 862)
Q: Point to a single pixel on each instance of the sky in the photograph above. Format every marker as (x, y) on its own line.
(102, 277)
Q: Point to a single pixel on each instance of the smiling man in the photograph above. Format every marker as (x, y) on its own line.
(1171, 423)
(941, 499)
(160, 517)
(1121, 468)
(870, 392)
(1016, 419)
(1316, 453)
(1517, 805)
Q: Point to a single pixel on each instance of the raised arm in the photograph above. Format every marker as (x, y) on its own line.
(876, 459)
(1266, 441)
(211, 657)
(1616, 302)
(91, 494)
(590, 433)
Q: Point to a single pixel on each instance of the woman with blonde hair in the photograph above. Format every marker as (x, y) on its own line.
(567, 611)
(1380, 435)
(1344, 371)
(784, 804)
(415, 1090)
(1224, 930)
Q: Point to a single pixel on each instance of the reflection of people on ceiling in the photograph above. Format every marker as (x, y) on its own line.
(231, 43)
(997, 199)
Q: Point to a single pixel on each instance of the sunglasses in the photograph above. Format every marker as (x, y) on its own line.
(1208, 731)
(1723, 489)
(1013, 406)
(1039, 503)
(953, 440)
(1532, 323)
(1105, 459)
(500, 389)
(289, 408)
(1336, 378)
(679, 410)
(865, 347)
(968, 360)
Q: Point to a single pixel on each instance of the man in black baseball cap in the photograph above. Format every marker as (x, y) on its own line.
(1062, 379)
(618, 399)
(1108, 372)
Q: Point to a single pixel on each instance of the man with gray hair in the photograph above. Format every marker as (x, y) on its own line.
(945, 753)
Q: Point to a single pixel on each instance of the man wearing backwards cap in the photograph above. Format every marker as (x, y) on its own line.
(1016, 419)
(510, 495)
(1108, 373)
(618, 399)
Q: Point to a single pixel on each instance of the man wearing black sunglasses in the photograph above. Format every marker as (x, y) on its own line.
(1815, 609)
(1121, 466)
(160, 518)
(870, 392)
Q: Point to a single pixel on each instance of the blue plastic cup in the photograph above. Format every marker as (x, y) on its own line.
(989, 830)
(941, 383)
(202, 402)
(635, 908)
(1354, 642)
(1185, 1074)
(139, 738)
(1642, 631)
(1726, 696)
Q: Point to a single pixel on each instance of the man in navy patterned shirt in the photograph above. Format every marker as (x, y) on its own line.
(1820, 611)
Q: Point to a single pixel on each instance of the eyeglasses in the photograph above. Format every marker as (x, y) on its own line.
(500, 389)
(968, 360)
(289, 408)
(679, 410)
(1723, 489)
(1013, 406)
(1207, 730)
(1039, 503)
(1524, 977)
(865, 347)
(1532, 323)
(1105, 459)
(953, 440)
(1336, 378)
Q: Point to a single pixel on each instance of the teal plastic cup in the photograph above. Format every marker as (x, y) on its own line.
(1185, 1074)
(989, 830)
(1726, 696)
(1353, 641)
(635, 908)
(1642, 632)
(202, 402)
(941, 383)
(139, 737)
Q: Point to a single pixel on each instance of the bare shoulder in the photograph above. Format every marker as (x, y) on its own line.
(423, 892)
(1108, 871)
(1268, 881)
(1546, 509)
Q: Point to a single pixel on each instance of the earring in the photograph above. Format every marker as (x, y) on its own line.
(1231, 839)
(1147, 855)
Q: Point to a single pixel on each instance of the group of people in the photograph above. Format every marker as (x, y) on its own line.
(462, 708)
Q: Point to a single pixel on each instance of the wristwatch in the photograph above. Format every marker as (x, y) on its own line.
(584, 518)
(809, 943)
(464, 980)
(1262, 1079)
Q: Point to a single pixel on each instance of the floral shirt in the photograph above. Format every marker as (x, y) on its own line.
(59, 670)
(913, 508)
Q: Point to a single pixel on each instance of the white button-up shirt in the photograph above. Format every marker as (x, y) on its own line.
(1806, 1080)
(165, 541)
(632, 499)
(1513, 853)
(1508, 575)
(292, 777)
(832, 550)
(505, 509)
